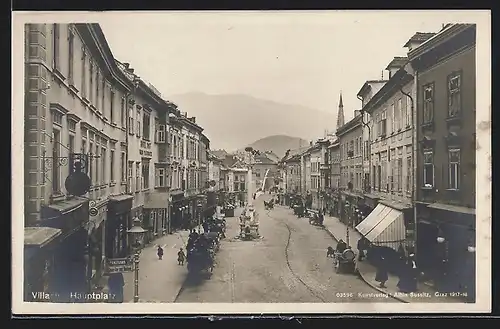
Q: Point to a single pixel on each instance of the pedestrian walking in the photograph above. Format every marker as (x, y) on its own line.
(160, 252)
(361, 249)
(381, 275)
(408, 276)
(181, 257)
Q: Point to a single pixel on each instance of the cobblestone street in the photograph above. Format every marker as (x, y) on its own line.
(288, 265)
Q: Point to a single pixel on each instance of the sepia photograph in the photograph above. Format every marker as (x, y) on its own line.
(251, 162)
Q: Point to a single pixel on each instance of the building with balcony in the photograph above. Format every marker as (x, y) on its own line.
(148, 162)
(75, 100)
(446, 116)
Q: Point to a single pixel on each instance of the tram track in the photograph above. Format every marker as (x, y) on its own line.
(311, 290)
(297, 276)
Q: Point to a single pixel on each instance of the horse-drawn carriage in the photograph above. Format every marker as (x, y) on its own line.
(217, 225)
(201, 253)
(345, 261)
(200, 260)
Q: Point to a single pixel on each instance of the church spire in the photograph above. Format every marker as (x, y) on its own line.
(340, 115)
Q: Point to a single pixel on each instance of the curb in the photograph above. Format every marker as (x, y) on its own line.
(374, 286)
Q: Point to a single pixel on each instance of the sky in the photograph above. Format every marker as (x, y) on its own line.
(294, 58)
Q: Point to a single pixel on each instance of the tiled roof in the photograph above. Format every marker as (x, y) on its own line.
(397, 62)
(419, 37)
(221, 154)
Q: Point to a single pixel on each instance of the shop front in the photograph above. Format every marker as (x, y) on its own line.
(446, 247)
(350, 208)
(369, 204)
(155, 209)
(69, 256)
(116, 226)
(176, 210)
(39, 244)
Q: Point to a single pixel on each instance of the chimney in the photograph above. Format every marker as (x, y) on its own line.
(130, 70)
(127, 65)
(311, 143)
(193, 119)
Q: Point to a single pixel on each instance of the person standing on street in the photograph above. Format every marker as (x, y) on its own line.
(181, 257)
(160, 252)
(381, 275)
(115, 284)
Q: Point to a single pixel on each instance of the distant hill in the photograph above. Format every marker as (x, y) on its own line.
(278, 144)
(232, 120)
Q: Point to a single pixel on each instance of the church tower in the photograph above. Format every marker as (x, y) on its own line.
(340, 115)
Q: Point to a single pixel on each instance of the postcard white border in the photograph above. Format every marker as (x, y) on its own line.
(483, 182)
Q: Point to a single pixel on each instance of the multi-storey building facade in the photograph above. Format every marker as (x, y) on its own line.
(314, 177)
(264, 164)
(389, 202)
(203, 148)
(351, 167)
(214, 171)
(292, 173)
(334, 159)
(306, 172)
(445, 184)
(91, 121)
(148, 162)
(191, 135)
(75, 100)
(367, 91)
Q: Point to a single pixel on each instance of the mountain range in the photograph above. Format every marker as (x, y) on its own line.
(233, 121)
(278, 144)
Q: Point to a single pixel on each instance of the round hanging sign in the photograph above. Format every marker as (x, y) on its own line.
(77, 184)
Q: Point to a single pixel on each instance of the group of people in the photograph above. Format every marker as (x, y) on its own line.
(181, 256)
(405, 268)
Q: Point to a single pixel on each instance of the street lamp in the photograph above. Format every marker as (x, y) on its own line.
(137, 234)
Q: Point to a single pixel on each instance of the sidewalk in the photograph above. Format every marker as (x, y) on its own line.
(159, 280)
(424, 294)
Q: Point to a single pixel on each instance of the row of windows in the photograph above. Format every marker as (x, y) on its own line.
(349, 149)
(393, 119)
(93, 86)
(349, 176)
(454, 106)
